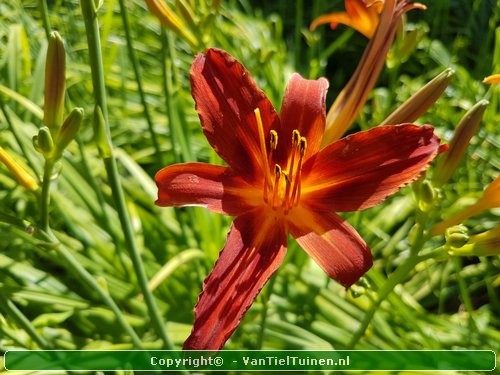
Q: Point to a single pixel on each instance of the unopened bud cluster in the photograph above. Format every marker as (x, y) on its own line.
(56, 134)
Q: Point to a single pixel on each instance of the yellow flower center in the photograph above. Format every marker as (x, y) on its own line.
(281, 183)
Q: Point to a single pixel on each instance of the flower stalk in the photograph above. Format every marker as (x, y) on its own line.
(96, 64)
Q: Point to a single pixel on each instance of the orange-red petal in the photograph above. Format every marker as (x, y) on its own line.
(359, 16)
(199, 184)
(332, 243)
(255, 248)
(303, 109)
(226, 97)
(361, 170)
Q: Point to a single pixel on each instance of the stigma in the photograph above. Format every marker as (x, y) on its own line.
(281, 190)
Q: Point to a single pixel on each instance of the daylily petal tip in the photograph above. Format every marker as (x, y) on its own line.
(495, 78)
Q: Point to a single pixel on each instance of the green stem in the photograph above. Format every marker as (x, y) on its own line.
(265, 308)
(464, 292)
(45, 17)
(24, 322)
(96, 65)
(394, 279)
(48, 169)
(86, 278)
(135, 66)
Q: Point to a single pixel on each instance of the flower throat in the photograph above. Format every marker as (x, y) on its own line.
(281, 184)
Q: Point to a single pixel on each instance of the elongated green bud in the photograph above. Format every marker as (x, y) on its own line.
(69, 129)
(427, 195)
(44, 142)
(55, 66)
(465, 130)
(422, 100)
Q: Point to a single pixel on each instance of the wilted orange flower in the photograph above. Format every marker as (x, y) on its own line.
(279, 181)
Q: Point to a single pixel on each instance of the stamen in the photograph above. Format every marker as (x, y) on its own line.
(303, 146)
(262, 144)
(296, 181)
(262, 141)
(295, 142)
(273, 144)
(286, 199)
(274, 139)
(276, 187)
(295, 137)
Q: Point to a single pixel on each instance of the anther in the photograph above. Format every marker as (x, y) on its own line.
(286, 199)
(274, 140)
(276, 187)
(273, 144)
(302, 146)
(296, 181)
(277, 171)
(295, 137)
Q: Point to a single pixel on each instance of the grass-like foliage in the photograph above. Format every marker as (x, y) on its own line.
(87, 261)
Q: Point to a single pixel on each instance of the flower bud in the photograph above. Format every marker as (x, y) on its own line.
(21, 175)
(463, 134)
(413, 234)
(422, 100)
(69, 129)
(54, 82)
(427, 196)
(482, 244)
(44, 141)
(456, 236)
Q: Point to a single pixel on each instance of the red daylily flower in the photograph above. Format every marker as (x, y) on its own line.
(279, 181)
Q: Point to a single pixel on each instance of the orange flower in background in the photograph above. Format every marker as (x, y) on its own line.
(279, 181)
(495, 78)
(361, 15)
